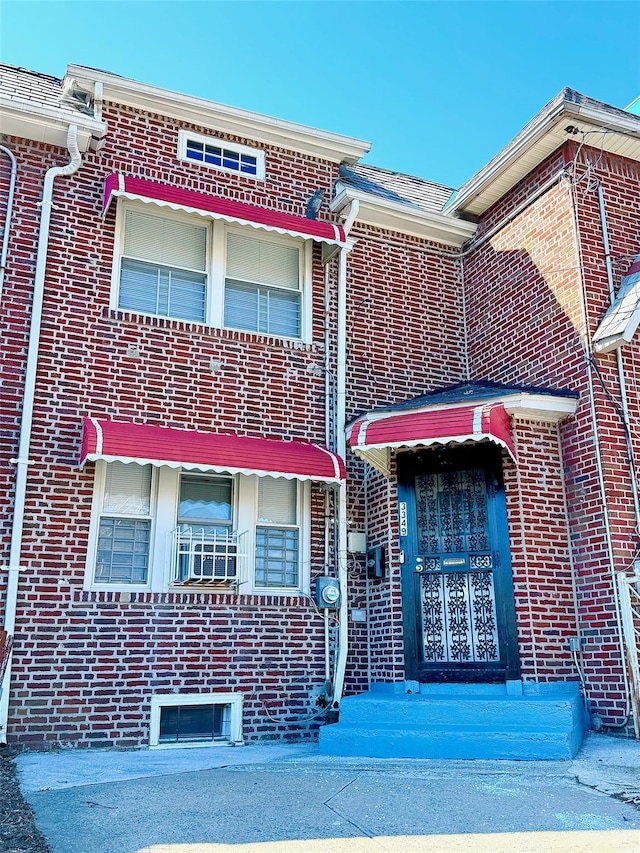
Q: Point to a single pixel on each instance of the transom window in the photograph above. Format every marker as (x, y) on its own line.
(220, 154)
(212, 273)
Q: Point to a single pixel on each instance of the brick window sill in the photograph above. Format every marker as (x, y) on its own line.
(190, 597)
(130, 317)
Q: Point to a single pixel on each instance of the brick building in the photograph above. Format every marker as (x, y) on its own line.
(281, 427)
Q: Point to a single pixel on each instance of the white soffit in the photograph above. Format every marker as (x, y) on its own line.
(224, 119)
(50, 125)
(540, 139)
(549, 408)
(394, 216)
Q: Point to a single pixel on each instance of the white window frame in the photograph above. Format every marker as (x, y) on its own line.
(165, 497)
(170, 700)
(301, 500)
(216, 263)
(184, 136)
(94, 534)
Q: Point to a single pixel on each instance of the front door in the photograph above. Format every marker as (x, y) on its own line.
(458, 606)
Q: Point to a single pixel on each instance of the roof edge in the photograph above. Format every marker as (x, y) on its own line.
(407, 219)
(222, 118)
(49, 124)
(566, 103)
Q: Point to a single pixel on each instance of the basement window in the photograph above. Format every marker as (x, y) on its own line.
(197, 719)
(220, 154)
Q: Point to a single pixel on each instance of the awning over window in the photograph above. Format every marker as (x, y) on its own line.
(621, 320)
(214, 207)
(372, 435)
(113, 441)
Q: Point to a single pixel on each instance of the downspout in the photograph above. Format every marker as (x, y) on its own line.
(621, 380)
(598, 454)
(7, 223)
(27, 407)
(341, 446)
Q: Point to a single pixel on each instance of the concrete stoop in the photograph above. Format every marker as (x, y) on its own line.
(482, 721)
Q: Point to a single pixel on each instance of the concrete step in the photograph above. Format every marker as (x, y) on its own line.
(447, 743)
(480, 712)
(454, 721)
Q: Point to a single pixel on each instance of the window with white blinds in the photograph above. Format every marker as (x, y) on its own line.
(277, 534)
(262, 286)
(124, 531)
(188, 268)
(163, 268)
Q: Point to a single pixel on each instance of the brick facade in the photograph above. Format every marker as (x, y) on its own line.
(420, 316)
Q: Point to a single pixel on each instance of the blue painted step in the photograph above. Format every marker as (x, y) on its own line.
(459, 721)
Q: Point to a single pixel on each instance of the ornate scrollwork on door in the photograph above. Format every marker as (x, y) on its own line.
(452, 512)
(458, 617)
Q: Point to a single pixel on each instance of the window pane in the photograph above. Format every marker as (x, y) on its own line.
(165, 241)
(127, 489)
(277, 500)
(187, 295)
(276, 557)
(156, 290)
(194, 722)
(262, 262)
(241, 306)
(123, 550)
(205, 499)
(275, 312)
(283, 313)
(139, 286)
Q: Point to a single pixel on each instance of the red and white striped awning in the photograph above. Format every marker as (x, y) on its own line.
(215, 207)
(373, 434)
(114, 441)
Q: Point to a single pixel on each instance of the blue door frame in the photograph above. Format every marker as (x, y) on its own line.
(488, 651)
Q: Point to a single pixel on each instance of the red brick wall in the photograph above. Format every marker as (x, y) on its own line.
(86, 664)
(528, 322)
(405, 337)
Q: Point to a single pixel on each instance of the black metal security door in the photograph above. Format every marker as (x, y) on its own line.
(459, 614)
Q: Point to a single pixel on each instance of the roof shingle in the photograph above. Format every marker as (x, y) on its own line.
(396, 187)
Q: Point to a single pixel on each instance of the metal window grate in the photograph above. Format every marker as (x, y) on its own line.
(211, 555)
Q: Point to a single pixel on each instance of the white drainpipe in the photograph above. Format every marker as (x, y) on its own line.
(7, 220)
(27, 408)
(341, 446)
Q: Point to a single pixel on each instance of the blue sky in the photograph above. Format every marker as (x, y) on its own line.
(438, 87)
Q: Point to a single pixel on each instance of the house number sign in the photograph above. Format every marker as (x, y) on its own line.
(402, 509)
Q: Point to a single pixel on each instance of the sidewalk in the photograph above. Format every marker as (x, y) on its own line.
(289, 799)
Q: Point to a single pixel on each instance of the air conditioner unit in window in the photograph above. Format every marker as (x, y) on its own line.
(210, 563)
(207, 557)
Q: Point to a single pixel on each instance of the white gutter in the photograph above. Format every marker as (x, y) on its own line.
(396, 216)
(27, 409)
(48, 124)
(7, 219)
(341, 447)
(223, 118)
